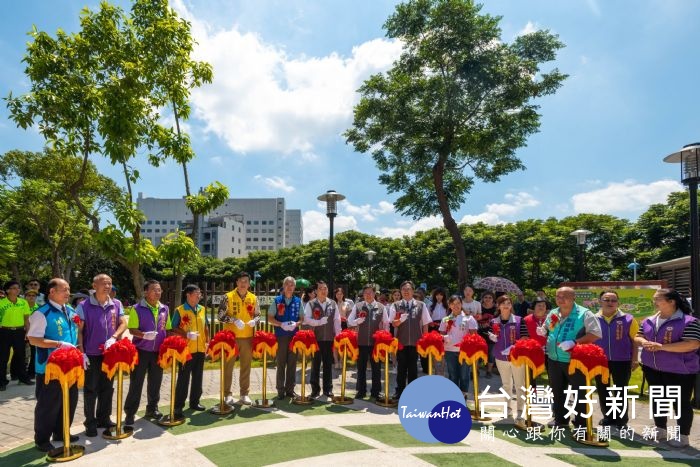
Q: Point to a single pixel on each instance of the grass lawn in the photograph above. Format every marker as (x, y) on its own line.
(23, 455)
(296, 445)
(482, 459)
(581, 460)
(317, 408)
(567, 440)
(393, 435)
(204, 420)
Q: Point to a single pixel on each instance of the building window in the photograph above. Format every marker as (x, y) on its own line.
(157, 222)
(247, 239)
(143, 230)
(233, 252)
(148, 230)
(255, 230)
(271, 222)
(205, 247)
(239, 251)
(172, 222)
(255, 222)
(247, 222)
(255, 239)
(239, 240)
(233, 239)
(264, 222)
(149, 222)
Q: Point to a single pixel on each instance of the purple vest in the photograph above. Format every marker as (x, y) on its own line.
(100, 324)
(616, 340)
(510, 332)
(670, 362)
(147, 323)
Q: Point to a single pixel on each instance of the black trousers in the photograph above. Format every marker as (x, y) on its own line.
(620, 372)
(325, 356)
(687, 383)
(194, 369)
(32, 361)
(366, 354)
(97, 394)
(148, 363)
(406, 367)
(12, 339)
(286, 366)
(560, 380)
(48, 413)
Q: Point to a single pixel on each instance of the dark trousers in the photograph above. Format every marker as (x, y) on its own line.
(406, 367)
(620, 372)
(148, 363)
(366, 354)
(97, 394)
(32, 361)
(686, 382)
(286, 366)
(325, 356)
(195, 369)
(48, 413)
(560, 380)
(12, 339)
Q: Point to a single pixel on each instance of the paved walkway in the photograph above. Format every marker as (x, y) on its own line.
(160, 447)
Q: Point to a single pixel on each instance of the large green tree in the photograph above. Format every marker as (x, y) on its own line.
(453, 109)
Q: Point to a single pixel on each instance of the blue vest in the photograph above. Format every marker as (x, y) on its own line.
(291, 313)
(569, 330)
(59, 327)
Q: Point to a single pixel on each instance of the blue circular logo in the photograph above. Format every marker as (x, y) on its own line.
(432, 410)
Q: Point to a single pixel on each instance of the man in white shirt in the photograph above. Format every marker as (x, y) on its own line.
(323, 316)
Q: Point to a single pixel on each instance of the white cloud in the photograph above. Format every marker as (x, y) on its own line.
(494, 213)
(263, 99)
(423, 224)
(530, 27)
(275, 183)
(316, 225)
(624, 197)
(363, 211)
(383, 207)
(217, 160)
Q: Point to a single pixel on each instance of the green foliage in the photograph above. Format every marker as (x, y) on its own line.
(178, 249)
(211, 197)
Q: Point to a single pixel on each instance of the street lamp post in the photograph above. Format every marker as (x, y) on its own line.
(689, 157)
(439, 270)
(370, 258)
(580, 235)
(331, 198)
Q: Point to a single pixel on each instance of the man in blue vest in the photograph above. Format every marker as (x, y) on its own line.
(51, 327)
(285, 315)
(566, 326)
(102, 323)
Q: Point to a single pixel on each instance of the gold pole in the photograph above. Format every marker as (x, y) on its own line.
(120, 382)
(386, 379)
(221, 380)
(173, 371)
(66, 420)
(475, 377)
(342, 380)
(303, 375)
(430, 364)
(264, 386)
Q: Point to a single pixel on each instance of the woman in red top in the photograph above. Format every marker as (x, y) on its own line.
(531, 323)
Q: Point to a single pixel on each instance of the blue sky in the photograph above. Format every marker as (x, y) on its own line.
(285, 72)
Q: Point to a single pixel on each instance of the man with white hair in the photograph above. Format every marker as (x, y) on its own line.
(286, 314)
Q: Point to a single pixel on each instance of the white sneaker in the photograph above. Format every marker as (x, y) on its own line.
(682, 443)
(246, 400)
(229, 400)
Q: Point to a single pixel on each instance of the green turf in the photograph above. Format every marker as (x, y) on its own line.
(581, 460)
(317, 408)
(393, 435)
(482, 459)
(567, 440)
(288, 446)
(23, 455)
(204, 420)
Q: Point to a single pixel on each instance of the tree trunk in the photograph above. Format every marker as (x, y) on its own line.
(195, 216)
(450, 224)
(137, 279)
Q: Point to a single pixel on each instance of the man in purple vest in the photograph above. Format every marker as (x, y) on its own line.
(149, 323)
(619, 330)
(670, 343)
(102, 323)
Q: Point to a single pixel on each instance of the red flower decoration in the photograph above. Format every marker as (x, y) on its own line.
(173, 347)
(450, 323)
(590, 359)
(280, 309)
(76, 319)
(362, 314)
(223, 341)
(553, 320)
(185, 321)
(304, 342)
(496, 328)
(249, 307)
(528, 352)
(264, 342)
(317, 313)
(431, 343)
(472, 348)
(120, 354)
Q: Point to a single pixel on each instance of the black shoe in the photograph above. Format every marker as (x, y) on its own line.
(155, 414)
(73, 438)
(129, 421)
(46, 447)
(28, 382)
(360, 395)
(396, 396)
(198, 407)
(376, 396)
(605, 422)
(14, 378)
(109, 424)
(91, 431)
(314, 394)
(3, 387)
(292, 394)
(328, 394)
(280, 395)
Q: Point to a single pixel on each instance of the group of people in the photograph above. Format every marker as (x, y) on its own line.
(668, 343)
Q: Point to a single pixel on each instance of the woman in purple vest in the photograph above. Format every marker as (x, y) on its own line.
(670, 341)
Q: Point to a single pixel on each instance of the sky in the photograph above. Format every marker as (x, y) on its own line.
(285, 79)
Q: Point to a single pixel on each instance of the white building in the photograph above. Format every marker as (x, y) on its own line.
(265, 224)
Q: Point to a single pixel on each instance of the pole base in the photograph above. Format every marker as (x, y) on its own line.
(263, 403)
(592, 442)
(302, 400)
(343, 400)
(221, 409)
(59, 454)
(387, 402)
(525, 425)
(165, 420)
(125, 432)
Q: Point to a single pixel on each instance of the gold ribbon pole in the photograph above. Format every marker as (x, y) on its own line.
(342, 400)
(430, 364)
(476, 415)
(264, 402)
(69, 451)
(387, 402)
(590, 440)
(223, 408)
(303, 400)
(127, 430)
(171, 420)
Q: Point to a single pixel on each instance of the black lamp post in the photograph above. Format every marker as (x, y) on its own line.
(331, 199)
(689, 157)
(580, 235)
(370, 259)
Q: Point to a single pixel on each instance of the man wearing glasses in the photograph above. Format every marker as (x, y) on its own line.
(34, 285)
(619, 330)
